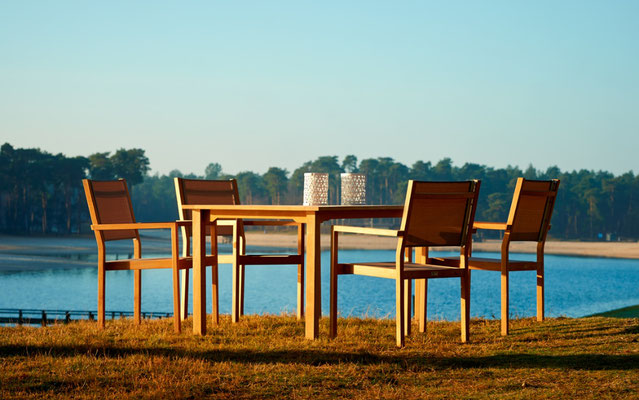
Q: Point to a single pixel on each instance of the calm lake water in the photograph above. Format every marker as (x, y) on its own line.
(575, 286)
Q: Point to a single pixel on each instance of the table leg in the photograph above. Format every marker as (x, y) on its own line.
(199, 218)
(313, 278)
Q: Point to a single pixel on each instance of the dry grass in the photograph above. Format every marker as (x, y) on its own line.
(267, 357)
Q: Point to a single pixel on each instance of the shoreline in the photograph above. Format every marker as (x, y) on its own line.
(29, 251)
(626, 250)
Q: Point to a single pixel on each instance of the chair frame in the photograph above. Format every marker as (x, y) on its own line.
(137, 263)
(404, 270)
(238, 257)
(505, 265)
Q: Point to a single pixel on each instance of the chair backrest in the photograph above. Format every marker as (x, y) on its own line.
(200, 191)
(110, 203)
(439, 213)
(531, 209)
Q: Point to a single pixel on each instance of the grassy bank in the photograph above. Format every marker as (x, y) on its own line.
(626, 312)
(267, 357)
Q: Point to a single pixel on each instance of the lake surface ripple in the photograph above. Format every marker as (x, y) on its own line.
(575, 287)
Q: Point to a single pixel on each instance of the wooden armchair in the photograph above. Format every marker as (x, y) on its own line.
(224, 192)
(112, 219)
(529, 220)
(435, 214)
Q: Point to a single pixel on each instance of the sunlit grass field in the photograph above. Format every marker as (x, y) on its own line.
(268, 357)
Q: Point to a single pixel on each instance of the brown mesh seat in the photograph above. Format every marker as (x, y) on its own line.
(529, 220)
(224, 192)
(112, 219)
(435, 214)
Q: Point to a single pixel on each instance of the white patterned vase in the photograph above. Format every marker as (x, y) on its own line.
(353, 188)
(315, 188)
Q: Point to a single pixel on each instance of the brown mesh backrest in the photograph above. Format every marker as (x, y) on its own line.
(109, 203)
(198, 191)
(531, 209)
(439, 213)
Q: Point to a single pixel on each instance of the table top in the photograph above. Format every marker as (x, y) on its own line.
(298, 212)
(292, 207)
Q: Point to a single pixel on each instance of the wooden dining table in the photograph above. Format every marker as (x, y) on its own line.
(311, 216)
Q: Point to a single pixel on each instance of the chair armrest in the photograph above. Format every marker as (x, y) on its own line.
(173, 226)
(500, 226)
(134, 225)
(367, 231)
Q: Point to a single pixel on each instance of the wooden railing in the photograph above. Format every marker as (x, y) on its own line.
(47, 317)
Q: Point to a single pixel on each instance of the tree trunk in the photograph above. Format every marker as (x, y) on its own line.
(43, 197)
(67, 206)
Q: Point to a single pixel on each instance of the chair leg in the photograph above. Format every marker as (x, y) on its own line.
(242, 287)
(101, 293)
(176, 300)
(333, 301)
(421, 291)
(175, 273)
(300, 291)
(504, 302)
(465, 307)
(237, 293)
(421, 297)
(540, 293)
(408, 294)
(184, 294)
(242, 275)
(137, 296)
(300, 272)
(215, 295)
(333, 285)
(469, 290)
(399, 316)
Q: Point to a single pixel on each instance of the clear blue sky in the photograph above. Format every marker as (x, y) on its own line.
(256, 84)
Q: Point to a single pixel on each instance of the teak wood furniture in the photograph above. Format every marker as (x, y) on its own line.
(435, 214)
(224, 192)
(204, 215)
(112, 219)
(529, 220)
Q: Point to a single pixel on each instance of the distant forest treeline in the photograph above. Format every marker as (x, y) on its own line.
(42, 192)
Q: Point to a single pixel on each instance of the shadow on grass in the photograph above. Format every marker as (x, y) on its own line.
(586, 362)
(633, 330)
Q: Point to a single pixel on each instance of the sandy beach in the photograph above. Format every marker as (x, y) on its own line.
(588, 249)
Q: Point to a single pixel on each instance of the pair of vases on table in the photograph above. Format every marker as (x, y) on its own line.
(353, 190)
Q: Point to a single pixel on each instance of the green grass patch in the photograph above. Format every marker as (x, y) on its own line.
(268, 357)
(626, 312)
